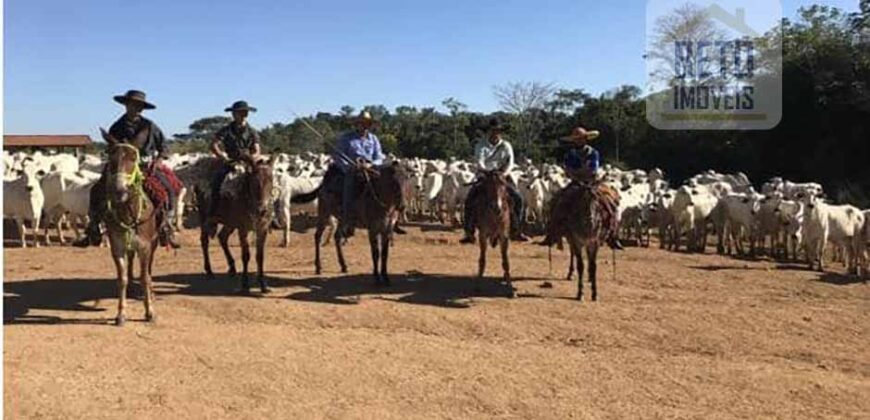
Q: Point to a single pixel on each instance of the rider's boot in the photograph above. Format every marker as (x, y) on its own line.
(93, 236)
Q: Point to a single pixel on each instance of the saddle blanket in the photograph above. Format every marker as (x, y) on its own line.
(155, 188)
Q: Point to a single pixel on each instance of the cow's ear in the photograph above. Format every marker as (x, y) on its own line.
(108, 137)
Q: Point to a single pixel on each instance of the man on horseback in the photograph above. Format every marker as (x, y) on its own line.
(151, 152)
(495, 153)
(581, 163)
(356, 148)
(229, 144)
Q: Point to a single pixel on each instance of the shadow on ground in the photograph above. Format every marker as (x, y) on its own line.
(415, 288)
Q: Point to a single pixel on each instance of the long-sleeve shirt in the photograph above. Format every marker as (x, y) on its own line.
(125, 131)
(582, 160)
(354, 146)
(499, 156)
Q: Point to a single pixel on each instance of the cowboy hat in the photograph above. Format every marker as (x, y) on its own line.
(134, 96)
(580, 133)
(365, 117)
(240, 106)
(495, 125)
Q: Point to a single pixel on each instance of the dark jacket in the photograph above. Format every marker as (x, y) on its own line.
(125, 130)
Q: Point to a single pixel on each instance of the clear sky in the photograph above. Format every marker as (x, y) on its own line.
(64, 60)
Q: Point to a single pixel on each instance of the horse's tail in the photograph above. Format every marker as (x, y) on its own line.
(307, 197)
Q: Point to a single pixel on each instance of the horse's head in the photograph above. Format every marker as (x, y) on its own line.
(391, 184)
(494, 190)
(122, 165)
(259, 183)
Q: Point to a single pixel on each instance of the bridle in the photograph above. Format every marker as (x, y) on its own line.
(133, 181)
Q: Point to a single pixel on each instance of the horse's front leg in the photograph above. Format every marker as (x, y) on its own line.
(481, 261)
(385, 254)
(224, 239)
(338, 250)
(506, 265)
(261, 251)
(246, 258)
(146, 256)
(206, 261)
(592, 255)
(376, 255)
(577, 250)
(120, 260)
(318, 236)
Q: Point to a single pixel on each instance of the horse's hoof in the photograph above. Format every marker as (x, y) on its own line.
(265, 290)
(318, 271)
(232, 272)
(579, 297)
(120, 320)
(386, 282)
(152, 318)
(512, 294)
(343, 270)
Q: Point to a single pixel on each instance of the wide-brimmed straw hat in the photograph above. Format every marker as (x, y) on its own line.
(134, 96)
(240, 106)
(580, 133)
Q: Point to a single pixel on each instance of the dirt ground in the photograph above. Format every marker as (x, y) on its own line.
(673, 335)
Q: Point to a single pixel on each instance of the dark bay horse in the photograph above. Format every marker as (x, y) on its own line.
(492, 216)
(131, 220)
(378, 208)
(576, 208)
(250, 211)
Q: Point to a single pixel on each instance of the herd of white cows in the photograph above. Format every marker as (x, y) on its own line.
(784, 219)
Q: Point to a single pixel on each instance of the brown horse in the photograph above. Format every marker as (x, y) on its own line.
(492, 216)
(576, 208)
(131, 220)
(378, 207)
(250, 211)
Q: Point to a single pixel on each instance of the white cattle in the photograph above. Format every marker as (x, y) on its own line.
(66, 198)
(23, 201)
(845, 230)
(690, 210)
(286, 187)
(737, 221)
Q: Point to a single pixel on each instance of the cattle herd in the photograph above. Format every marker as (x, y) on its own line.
(783, 219)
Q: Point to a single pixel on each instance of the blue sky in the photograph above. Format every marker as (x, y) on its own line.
(64, 60)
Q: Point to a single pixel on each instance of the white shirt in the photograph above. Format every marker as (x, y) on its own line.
(498, 156)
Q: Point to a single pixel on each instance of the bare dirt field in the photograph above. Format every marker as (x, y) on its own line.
(674, 335)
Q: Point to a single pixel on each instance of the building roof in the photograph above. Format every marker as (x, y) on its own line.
(53, 140)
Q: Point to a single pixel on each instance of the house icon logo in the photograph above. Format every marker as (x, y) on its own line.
(737, 21)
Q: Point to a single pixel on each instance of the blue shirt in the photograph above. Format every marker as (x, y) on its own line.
(353, 146)
(582, 158)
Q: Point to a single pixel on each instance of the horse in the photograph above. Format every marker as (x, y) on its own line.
(250, 211)
(378, 208)
(492, 217)
(577, 208)
(131, 220)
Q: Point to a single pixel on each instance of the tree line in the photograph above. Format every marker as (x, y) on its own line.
(822, 137)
